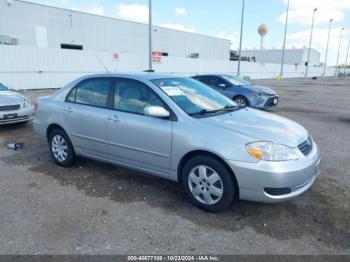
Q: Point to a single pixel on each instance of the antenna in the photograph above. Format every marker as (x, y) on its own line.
(99, 59)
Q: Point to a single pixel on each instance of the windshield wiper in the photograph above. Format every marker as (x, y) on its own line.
(206, 111)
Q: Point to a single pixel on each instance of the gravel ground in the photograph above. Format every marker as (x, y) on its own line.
(96, 208)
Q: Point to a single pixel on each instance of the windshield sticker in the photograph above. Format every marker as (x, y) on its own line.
(172, 91)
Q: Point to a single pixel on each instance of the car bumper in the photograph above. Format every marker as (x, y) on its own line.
(16, 116)
(286, 179)
(266, 102)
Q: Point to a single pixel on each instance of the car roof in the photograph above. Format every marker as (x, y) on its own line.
(137, 75)
(219, 75)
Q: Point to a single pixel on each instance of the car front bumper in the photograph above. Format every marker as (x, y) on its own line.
(292, 177)
(265, 102)
(23, 114)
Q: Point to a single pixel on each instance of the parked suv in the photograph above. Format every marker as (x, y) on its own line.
(180, 129)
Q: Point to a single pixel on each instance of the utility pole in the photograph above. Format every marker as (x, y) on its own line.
(325, 59)
(312, 30)
(240, 41)
(150, 64)
(336, 68)
(346, 60)
(284, 40)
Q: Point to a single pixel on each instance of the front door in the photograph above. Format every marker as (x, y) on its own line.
(135, 139)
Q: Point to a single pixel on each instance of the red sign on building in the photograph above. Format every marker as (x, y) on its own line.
(115, 57)
(157, 57)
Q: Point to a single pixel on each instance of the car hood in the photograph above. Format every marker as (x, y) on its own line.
(261, 89)
(10, 98)
(260, 126)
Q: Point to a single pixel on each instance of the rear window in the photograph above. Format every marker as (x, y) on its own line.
(91, 92)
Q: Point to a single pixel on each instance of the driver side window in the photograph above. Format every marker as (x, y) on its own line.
(216, 81)
(133, 96)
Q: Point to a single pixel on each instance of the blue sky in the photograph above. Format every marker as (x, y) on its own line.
(222, 18)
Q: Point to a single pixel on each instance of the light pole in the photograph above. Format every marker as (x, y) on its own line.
(312, 30)
(150, 68)
(336, 67)
(325, 59)
(240, 41)
(284, 40)
(346, 59)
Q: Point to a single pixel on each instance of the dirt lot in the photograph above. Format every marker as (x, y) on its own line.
(95, 208)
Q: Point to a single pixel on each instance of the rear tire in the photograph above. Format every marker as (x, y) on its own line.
(208, 183)
(61, 148)
(241, 101)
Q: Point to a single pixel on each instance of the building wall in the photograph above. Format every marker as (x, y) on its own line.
(39, 68)
(292, 56)
(43, 26)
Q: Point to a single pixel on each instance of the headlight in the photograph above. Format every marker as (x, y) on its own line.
(270, 151)
(255, 94)
(27, 103)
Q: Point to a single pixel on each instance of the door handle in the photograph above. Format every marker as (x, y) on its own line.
(113, 118)
(68, 110)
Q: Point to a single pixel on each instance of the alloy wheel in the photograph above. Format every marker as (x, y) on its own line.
(59, 148)
(205, 185)
(240, 102)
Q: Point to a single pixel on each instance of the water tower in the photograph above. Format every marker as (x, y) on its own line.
(262, 30)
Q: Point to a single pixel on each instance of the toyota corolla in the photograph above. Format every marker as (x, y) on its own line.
(180, 129)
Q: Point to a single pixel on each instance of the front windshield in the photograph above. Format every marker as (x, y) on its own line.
(236, 80)
(192, 96)
(2, 87)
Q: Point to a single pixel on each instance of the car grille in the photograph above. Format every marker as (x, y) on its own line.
(270, 101)
(306, 146)
(10, 107)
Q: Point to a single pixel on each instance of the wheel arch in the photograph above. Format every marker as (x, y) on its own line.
(52, 127)
(195, 153)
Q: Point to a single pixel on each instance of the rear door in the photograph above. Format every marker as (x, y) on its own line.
(85, 116)
(133, 138)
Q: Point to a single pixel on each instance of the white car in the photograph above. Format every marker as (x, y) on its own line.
(14, 107)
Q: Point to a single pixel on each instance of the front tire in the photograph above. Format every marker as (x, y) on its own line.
(61, 148)
(208, 183)
(241, 101)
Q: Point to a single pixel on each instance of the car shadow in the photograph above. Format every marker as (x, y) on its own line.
(314, 213)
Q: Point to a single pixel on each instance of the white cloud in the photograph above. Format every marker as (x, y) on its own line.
(179, 27)
(319, 42)
(232, 37)
(90, 8)
(180, 11)
(301, 11)
(133, 12)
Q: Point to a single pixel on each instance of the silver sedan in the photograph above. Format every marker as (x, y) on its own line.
(180, 129)
(14, 107)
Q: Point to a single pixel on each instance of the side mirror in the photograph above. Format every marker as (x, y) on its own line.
(156, 111)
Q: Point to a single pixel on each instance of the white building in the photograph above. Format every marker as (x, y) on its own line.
(292, 56)
(38, 49)
(28, 24)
